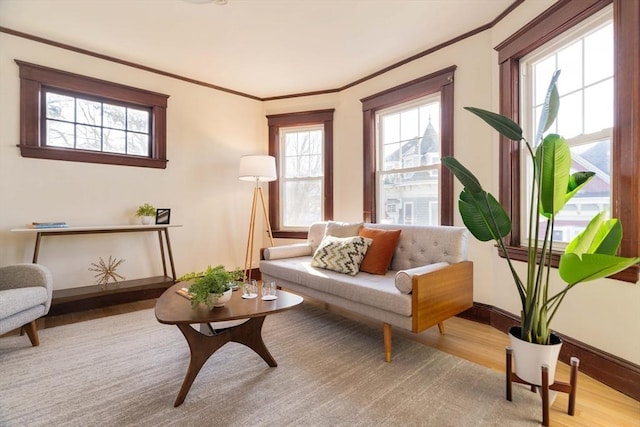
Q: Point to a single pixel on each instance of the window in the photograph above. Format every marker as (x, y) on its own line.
(70, 117)
(302, 144)
(408, 153)
(561, 19)
(407, 129)
(585, 58)
(301, 178)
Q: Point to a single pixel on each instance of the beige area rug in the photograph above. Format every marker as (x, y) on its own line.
(126, 370)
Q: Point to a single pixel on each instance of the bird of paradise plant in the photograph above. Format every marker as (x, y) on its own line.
(590, 255)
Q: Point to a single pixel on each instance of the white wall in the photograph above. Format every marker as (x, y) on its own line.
(207, 132)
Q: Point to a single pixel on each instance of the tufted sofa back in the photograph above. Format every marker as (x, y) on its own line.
(419, 245)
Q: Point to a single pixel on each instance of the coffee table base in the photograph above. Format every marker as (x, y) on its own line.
(203, 346)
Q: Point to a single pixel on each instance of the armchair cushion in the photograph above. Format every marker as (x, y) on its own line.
(17, 300)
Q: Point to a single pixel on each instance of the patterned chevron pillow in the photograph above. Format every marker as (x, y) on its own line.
(341, 254)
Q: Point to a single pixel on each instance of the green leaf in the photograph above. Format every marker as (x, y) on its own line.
(504, 125)
(553, 161)
(464, 175)
(484, 216)
(549, 108)
(611, 237)
(574, 269)
(576, 182)
(599, 236)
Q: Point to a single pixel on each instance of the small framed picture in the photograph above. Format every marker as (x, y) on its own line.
(162, 216)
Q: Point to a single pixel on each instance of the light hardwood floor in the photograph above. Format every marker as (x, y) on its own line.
(597, 404)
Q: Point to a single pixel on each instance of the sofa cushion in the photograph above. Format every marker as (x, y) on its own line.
(19, 299)
(379, 254)
(373, 290)
(343, 255)
(342, 229)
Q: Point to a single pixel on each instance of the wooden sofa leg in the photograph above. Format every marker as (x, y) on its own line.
(387, 342)
(441, 328)
(32, 333)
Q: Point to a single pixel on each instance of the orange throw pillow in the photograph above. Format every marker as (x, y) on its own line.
(379, 254)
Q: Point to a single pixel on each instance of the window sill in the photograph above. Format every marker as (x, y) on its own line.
(520, 253)
(281, 234)
(90, 157)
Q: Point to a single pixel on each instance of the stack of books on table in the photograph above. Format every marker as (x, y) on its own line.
(53, 224)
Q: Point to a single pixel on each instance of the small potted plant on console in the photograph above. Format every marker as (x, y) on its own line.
(147, 213)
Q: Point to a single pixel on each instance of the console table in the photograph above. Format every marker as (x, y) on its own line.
(82, 298)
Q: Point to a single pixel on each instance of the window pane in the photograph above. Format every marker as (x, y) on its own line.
(114, 141)
(598, 55)
(138, 120)
(301, 204)
(390, 124)
(409, 124)
(138, 144)
(88, 138)
(114, 116)
(60, 107)
(543, 72)
(417, 192)
(570, 115)
(570, 62)
(88, 112)
(598, 106)
(60, 134)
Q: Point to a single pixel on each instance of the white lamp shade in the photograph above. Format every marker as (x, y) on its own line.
(258, 168)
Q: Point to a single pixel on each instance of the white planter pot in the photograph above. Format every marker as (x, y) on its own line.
(217, 300)
(146, 220)
(529, 357)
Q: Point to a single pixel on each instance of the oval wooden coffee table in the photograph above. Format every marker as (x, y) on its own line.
(174, 309)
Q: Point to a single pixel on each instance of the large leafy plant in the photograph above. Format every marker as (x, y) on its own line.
(590, 255)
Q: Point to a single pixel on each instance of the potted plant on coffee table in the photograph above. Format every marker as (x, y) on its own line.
(213, 286)
(147, 213)
(590, 255)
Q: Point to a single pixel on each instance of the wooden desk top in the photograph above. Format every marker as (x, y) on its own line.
(174, 309)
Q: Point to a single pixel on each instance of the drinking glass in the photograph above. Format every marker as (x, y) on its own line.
(250, 289)
(268, 289)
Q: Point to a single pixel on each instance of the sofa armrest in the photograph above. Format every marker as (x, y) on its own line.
(404, 278)
(27, 275)
(287, 251)
(441, 294)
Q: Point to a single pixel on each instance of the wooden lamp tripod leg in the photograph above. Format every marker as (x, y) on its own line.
(248, 257)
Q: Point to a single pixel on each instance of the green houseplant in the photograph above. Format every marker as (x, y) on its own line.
(147, 212)
(209, 286)
(590, 255)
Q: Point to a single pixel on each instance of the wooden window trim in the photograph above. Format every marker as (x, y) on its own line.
(440, 81)
(275, 122)
(626, 135)
(33, 78)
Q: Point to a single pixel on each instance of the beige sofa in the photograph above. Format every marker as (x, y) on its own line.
(429, 278)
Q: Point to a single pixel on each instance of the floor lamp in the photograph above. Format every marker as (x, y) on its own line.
(256, 168)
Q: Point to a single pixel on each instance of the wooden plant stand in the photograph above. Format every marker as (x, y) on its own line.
(570, 387)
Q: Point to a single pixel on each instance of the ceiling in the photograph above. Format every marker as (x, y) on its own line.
(264, 48)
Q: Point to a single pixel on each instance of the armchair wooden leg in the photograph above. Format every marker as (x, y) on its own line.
(32, 333)
(387, 342)
(441, 328)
